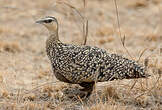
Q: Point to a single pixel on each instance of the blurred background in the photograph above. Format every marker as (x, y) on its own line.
(23, 60)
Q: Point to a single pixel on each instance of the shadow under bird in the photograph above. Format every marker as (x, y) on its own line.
(85, 65)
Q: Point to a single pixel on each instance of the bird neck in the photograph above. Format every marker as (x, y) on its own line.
(52, 42)
(52, 39)
(54, 35)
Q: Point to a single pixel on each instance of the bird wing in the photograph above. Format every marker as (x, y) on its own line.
(81, 63)
(88, 64)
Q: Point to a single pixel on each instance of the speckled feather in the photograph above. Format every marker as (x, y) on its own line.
(85, 65)
(77, 64)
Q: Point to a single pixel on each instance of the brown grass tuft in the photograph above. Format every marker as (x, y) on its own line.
(104, 31)
(5, 94)
(105, 106)
(161, 51)
(110, 92)
(156, 1)
(33, 106)
(5, 30)
(106, 40)
(29, 97)
(43, 73)
(152, 37)
(138, 4)
(12, 47)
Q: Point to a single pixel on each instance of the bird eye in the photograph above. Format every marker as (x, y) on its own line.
(48, 21)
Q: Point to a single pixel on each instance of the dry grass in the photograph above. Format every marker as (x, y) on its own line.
(26, 79)
(59, 96)
(138, 4)
(10, 47)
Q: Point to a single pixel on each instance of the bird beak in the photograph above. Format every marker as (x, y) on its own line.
(40, 21)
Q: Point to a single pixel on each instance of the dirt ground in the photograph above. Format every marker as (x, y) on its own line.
(26, 78)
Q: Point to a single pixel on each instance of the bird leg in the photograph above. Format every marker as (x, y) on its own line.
(87, 87)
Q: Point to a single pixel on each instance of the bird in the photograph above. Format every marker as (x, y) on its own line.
(86, 65)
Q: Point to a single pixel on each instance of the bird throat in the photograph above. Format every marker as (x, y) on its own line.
(52, 39)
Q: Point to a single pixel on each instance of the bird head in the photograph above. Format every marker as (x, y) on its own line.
(50, 23)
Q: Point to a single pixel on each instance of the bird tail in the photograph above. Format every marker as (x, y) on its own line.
(139, 72)
(136, 71)
(132, 72)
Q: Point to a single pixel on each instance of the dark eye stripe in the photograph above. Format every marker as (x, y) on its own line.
(48, 21)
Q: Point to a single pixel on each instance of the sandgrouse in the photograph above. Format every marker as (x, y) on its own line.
(85, 65)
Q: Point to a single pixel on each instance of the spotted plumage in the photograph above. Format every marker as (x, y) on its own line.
(85, 65)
